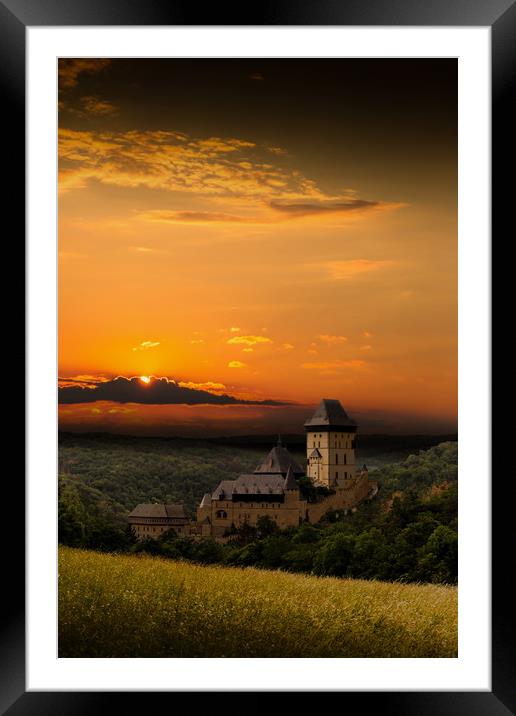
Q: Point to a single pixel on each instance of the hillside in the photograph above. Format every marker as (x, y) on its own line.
(128, 470)
(141, 606)
(408, 532)
(106, 476)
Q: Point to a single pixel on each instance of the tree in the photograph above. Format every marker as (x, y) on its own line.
(334, 555)
(265, 527)
(370, 555)
(207, 551)
(147, 545)
(274, 550)
(246, 533)
(305, 534)
(248, 555)
(300, 558)
(438, 558)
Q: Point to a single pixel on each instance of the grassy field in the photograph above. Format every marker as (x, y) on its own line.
(141, 606)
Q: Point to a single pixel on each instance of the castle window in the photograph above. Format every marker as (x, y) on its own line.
(337, 475)
(345, 459)
(337, 459)
(222, 514)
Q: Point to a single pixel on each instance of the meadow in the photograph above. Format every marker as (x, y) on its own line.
(113, 605)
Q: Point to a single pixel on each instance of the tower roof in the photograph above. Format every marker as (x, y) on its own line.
(206, 500)
(330, 413)
(290, 480)
(278, 462)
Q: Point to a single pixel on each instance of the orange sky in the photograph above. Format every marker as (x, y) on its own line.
(285, 257)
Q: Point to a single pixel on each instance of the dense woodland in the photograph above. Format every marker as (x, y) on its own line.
(408, 533)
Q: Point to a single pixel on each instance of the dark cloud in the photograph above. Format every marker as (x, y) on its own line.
(161, 391)
(308, 208)
(196, 216)
(70, 69)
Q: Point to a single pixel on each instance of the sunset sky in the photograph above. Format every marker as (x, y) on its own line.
(254, 235)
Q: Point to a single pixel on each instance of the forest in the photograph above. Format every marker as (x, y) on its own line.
(408, 533)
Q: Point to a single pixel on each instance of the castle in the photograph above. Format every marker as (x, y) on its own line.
(272, 489)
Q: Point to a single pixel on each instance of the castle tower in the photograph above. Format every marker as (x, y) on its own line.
(330, 445)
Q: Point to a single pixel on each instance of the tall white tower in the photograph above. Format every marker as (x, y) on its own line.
(330, 445)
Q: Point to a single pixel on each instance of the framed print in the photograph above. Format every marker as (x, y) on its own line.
(258, 353)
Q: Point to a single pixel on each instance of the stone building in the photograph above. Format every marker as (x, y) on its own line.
(151, 520)
(272, 489)
(330, 445)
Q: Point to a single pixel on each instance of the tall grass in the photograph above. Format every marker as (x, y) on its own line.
(141, 606)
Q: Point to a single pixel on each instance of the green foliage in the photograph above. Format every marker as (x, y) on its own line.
(408, 533)
(87, 518)
(334, 556)
(265, 527)
(311, 492)
(127, 471)
(130, 606)
(430, 467)
(438, 557)
(306, 534)
(412, 537)
(370, 556)
(245, 533)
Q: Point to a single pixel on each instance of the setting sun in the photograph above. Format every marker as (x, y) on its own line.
(203, 240)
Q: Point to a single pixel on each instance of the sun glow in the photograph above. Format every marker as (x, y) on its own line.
(145, 379)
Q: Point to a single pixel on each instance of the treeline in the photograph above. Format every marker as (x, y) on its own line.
(408, 533)
(415, 540)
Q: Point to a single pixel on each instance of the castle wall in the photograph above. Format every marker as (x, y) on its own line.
(286, 514)
(345, 498)
(293, 511)
(152, 529)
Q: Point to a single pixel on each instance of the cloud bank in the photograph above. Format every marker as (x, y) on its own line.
(258, 179)
(160, 391)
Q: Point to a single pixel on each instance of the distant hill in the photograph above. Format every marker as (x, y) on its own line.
(128, 470)
(377, 448)
(140, 606)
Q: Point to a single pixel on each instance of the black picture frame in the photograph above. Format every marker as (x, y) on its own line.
(500, 16)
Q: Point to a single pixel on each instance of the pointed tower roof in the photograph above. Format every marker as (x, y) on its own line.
(206, 500)
(330, 415)
(278, 462)
(290, 480)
